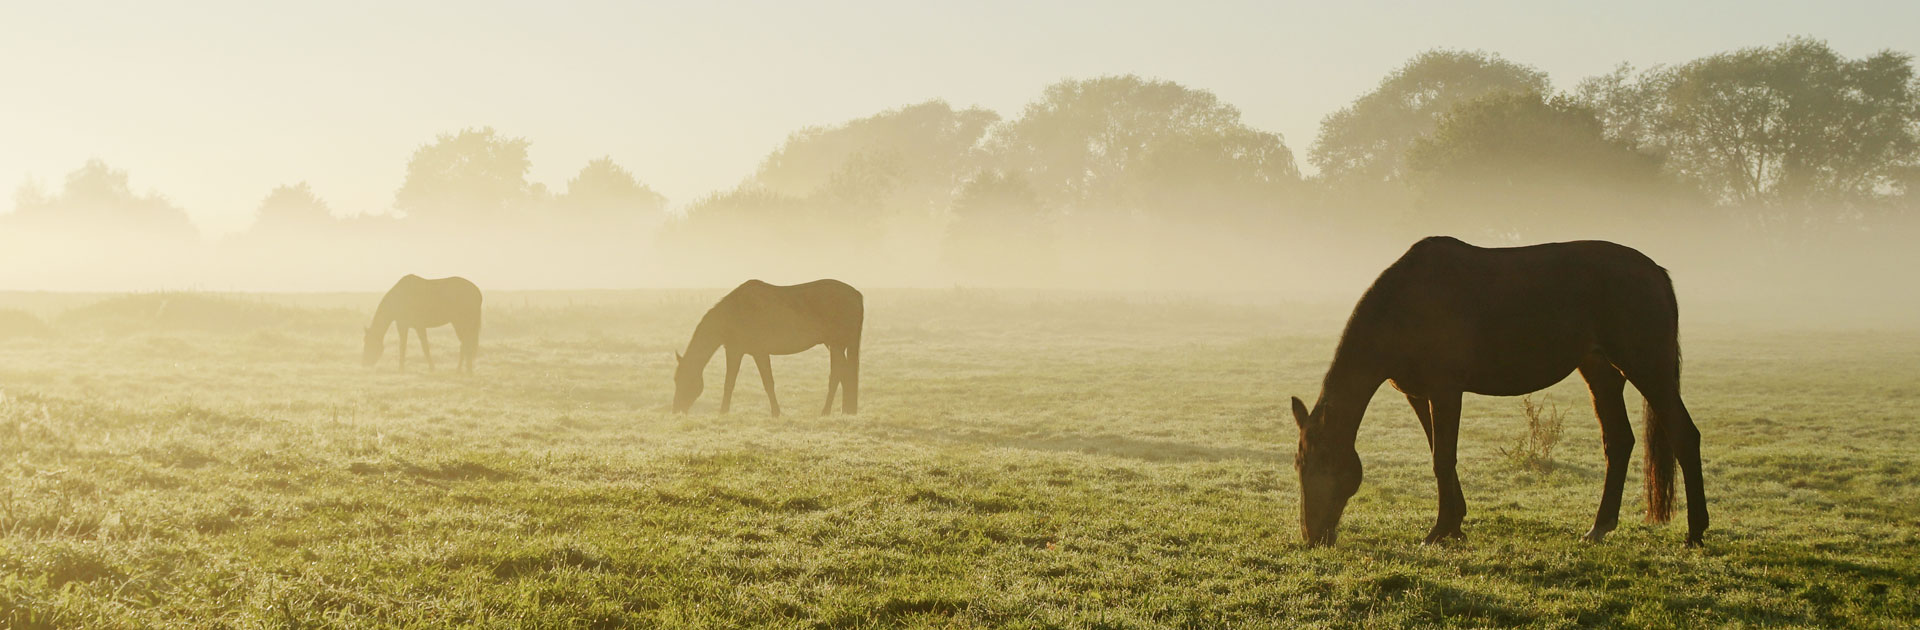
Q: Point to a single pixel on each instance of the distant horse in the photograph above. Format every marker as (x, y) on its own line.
(417, 303)
(1449, 318)
(759, 320)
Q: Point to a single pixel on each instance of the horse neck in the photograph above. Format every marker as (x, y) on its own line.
(384, 315)
(706, 340)
(1348, 389)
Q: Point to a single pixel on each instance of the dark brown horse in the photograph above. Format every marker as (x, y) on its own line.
(1449, 318)
(760, 320)
(416, 303)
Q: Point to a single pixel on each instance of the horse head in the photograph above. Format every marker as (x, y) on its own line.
(687, 383)
(372, 346)
(1329, 470)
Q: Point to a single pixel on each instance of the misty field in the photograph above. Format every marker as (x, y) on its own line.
(1020, 460)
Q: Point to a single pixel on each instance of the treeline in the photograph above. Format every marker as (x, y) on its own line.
(1773, 155)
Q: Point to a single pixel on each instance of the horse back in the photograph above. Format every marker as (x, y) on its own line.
(789, 319)
(425, 303)
(1509, 320)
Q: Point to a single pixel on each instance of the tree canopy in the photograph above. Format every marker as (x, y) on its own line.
(1509, 165)
(1368, 140)
(1788, 127)
(1093, 145)
(473, 175)
(98, 199)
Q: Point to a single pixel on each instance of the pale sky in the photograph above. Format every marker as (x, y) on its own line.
(215, 103)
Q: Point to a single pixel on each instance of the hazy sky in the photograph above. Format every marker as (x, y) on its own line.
(214, 103)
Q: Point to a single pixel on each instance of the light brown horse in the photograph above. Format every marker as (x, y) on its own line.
(1449, 318)
(416, 303)
(760, 320)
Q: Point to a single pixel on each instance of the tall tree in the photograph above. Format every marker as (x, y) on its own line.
(291, 209)
(1096, 145)
(97, 199)
(1368, 140)
(1001, 233)
(1525, 167)
(475, 175)
(910, 159)
(1792, 130)
(605, 193)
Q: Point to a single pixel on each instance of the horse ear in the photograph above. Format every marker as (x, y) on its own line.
(676, 358)
(1300, 413)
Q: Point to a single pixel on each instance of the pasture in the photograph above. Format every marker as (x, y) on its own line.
(1019, 461)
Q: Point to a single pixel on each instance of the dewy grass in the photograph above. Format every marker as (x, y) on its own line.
(1017, 462)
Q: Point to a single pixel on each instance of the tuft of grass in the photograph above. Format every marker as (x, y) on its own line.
(1533, 450)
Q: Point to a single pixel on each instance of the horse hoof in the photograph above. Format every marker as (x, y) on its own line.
(1596, 534)
(1445, 537)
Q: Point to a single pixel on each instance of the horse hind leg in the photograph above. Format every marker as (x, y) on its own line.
(469, 345)
(850, 379)
(425, 349)
(1607, 385)
(1671, 438)
(836, 361)
(1669, 422)
(766, 378)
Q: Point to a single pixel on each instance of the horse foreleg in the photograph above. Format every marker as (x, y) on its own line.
(403, 348)
(1423, 410)
(835, 363)
(733, 370)
(426, 349)
(1446, 441)
(1616, 435)
(766, 378)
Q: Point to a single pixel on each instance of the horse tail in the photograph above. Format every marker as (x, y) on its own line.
(1660, 458)
(1659, 465)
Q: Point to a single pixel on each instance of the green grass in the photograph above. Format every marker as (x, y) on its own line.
(1090, 462)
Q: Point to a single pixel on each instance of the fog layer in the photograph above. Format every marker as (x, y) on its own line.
(1779, 177)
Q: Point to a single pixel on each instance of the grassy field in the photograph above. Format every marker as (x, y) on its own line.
(1085, 462)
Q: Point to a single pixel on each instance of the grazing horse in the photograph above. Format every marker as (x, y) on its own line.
(1449, 318)
(417, 303)
(760, 320)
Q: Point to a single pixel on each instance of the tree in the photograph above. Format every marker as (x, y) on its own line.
(1522, 166)
(1096, 145)
(96, 199)
(909, 159)
(475, 175)
(605, 194)
(96, 233)
(872, 189)
(1368, 140)
(1785, 130)
(292, 209)
(1000, 233)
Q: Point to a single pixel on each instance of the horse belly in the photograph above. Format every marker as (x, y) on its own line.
(1524, 366)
